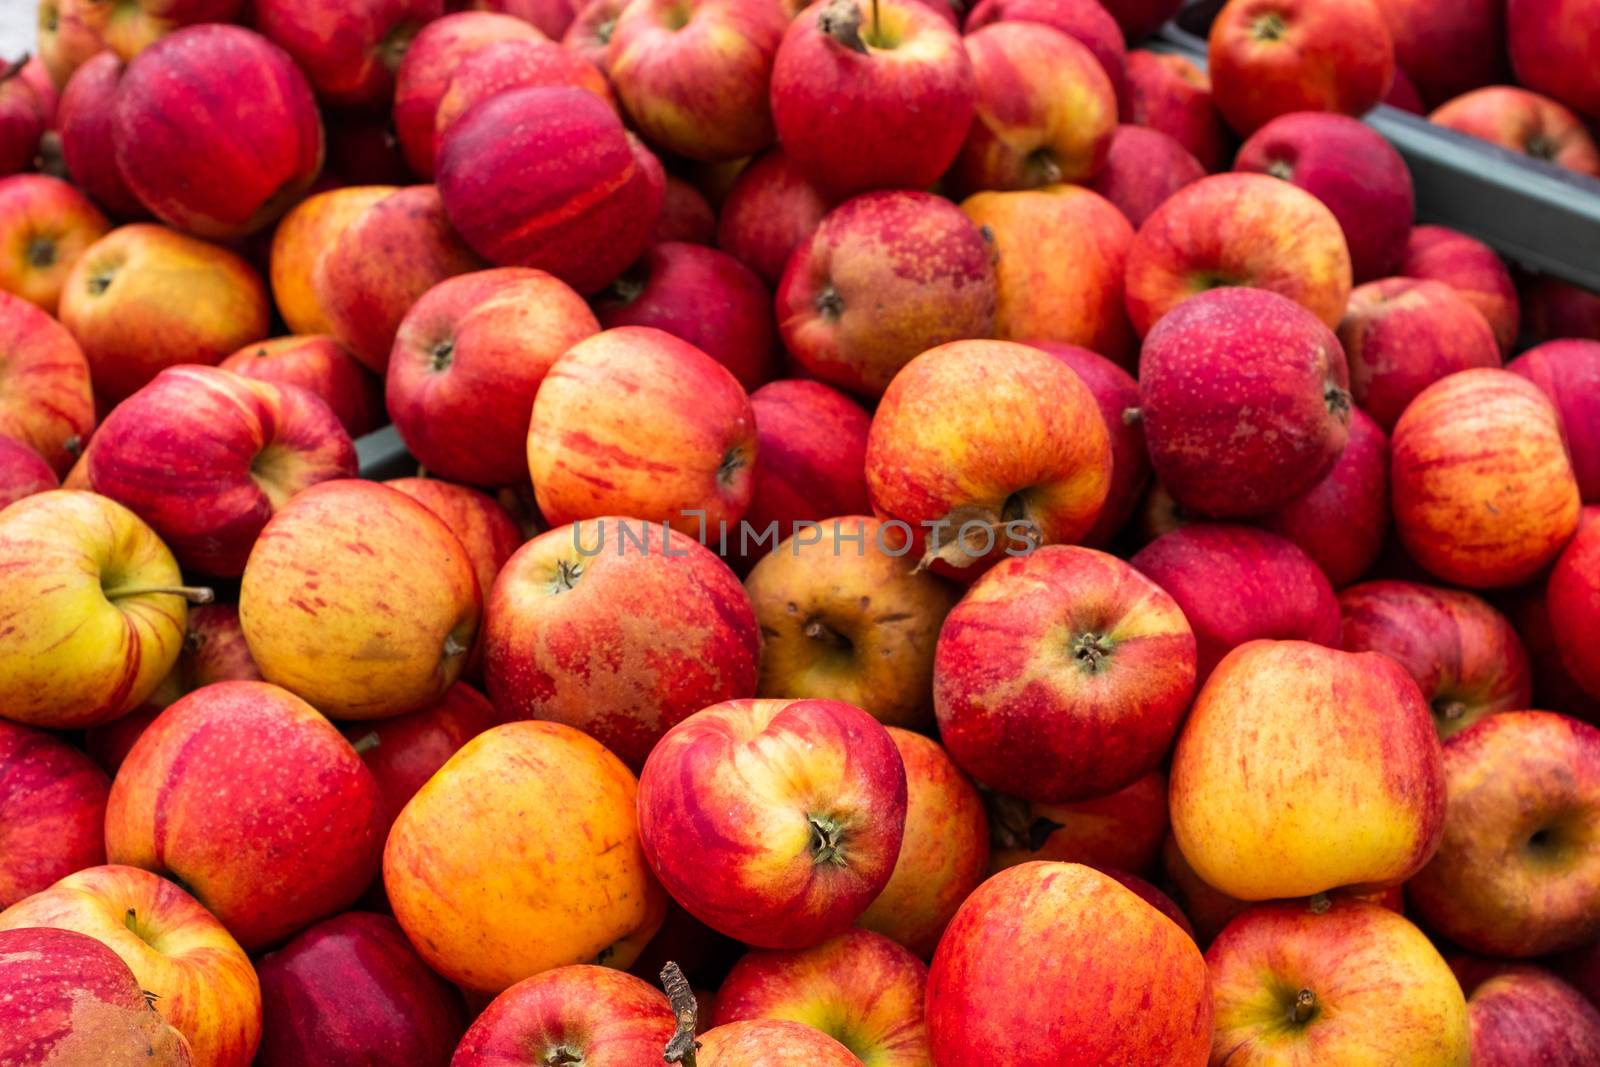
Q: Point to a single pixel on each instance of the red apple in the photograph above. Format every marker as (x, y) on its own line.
(1574, 601)
(1118, 832)
(1447, 49)
(1557, 310)
(1525, 122)
(811, 457)
(686, 215)
(321, 366)
(52, 812)
(770, 210)
(300, 239)
(1143, 168)
(1568, 373)
(1554, 687)
(589, 34)
(70, 32)
(551, 17)
(45, 225)
(404, 751)
(518, 63)
(1555, 46)
(1403, 94)
(349, 52)
(578, 1014)
(481, 523)
(22, 120)
(1472, 269)
(45, 402)
(1527, 1015)
(1086, 21)
(85, 124)
(24, 472)
(1171, 94)
(771, 1042)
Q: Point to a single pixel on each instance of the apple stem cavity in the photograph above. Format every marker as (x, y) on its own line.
(827, 841)
(1305, 1006)
(194, 594)
(682, 1045)
(822, 633)
(841, 20)
(1449, 710)
(1281, 168)
(1091, 650)
(1132, 416)
(453, 646)
(41, 252)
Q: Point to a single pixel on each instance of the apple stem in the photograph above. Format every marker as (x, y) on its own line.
(452, 646)
(876, 35)
(194, 594)
(1132, 416)
(366, 742)
(841, 20)
(1305, 1005)
(682, 1046)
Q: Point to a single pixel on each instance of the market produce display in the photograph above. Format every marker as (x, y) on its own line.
(746, 533)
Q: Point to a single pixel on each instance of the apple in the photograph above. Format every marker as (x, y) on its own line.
(45, 224)
(1573, 597)
(1557, 310)
(1121, 831)
(1152, 896)
(1302, 769)
(1526, 1014)
(202, 982)
(52, 811)
(703, 296)
(130, 28)
(1515, 875)
(1568, 373)
(1554, 688)
(1349, 167)
(84, 124)
(547, 177)
(481, 523)
(216, 131)
(1334, 982)
(352, 990)
(349, 53)
(635, 422)
(45, 400)
(1171, 94)
(811, 459)
(771, 1042)
(883, 278)
(799, 804)
(1483, 492)
(308, 230)
(1141, 18)
(322, 367)
(686, 215)
(770, 210)
(1061, 253)
(1402, 93)
(404, 751)
(1471, 268)
(1271, 57)
(1245, 230)
(1524, 122)
(22, 120)
(1143, 168)
(1447, 49)
(1062, 675)
(467, 361)
(517, 63)
(1057, 964)
(578, 1014)
(23, 472)
(1555, 45)
(871, 96)
(551, 17)
(592, 27)
(1085, 21)
(522, 854)
(144, 298)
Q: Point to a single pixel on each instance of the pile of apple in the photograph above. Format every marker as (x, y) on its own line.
(1112, 609)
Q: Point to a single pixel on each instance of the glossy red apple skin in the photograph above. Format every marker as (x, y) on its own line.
(1445, 50)
(321, 366)
(1171, 94)
(550, 17)
(349, 53)
(686, 215)
(1573, 597)
(589, 33)
(22, 120)
(84, 123)
(600, 1016)
(24, 472)
(811, 455)
(1143, 168)
(771, 1043)
(1568, 372)
(500, 66)
(1554, 45)
(480, 522)
(1471, 268)
(1523, 121)
(52, 811)
(771, 209)
(1527, 1015)
(46, 224)
(404, 751)
(1086, 21)
(45, 398)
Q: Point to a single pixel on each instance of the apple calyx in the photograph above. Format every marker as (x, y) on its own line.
(41, 252)
(194, 594)
(441, 355)
(1281, 168)
(562, 1056)
(827, 841)
(98, 283)
(1091, 651)
(1269, 27)
(732, 460)
(453, 646)
(841, 20)
(1448, 710)
(823, 634)
(396, 43)
(682, 1046)
(1319, 903)
(1011, 824)
(629, 286)
(1539, 146)
(1042, 161)
(1337, 398)
(567, 574)
(1304, 1007)
(366, 742)
(1132, 416)
(829, 304)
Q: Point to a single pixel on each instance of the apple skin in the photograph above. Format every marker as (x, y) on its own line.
(1445, 51)
(45, 225)
(1171, 94)
(1555, 310)
(944, 851)
(1062, 675)
(489, 896)
(1471, 268)
(84, 124)
(1268, 58)
(1379, 992)
(1062, 251)
(322, 367)
(678, 451)
(840, 102)
(771, 1043)
(1121, 831)
(52, 808)
(811, 455)
(22, 120)
(1568, 373)
(1349, 167)
(23, 472)
(1527, 1014)
(301, 237)
(595, 1015)
(883, 278)
(45, 400)
(860, 988)
(318, 601)
(352, 990)
(349, 53)
(551, 17)
(1403, 94)
(1043, 935)
(1573, 597)
(404, 751)
(1482, 489)
(554, 650)
(590, 31)
(1515, 874)
(203, 980)
(467, 361)
(1324, 734)
(1085, 21)
(1555, 45)
(481, 523)
(206, 457)
(770, 210)
(517, 63)
(571, 193)
(800, 804)
(686, 215)
(1524, 122)
(1143, 168)
(704, 296)
(216, 131)
(1238, 230)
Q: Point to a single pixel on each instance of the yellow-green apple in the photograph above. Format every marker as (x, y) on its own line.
(555, 650)
(1349, 167)
(693, 75)
(480, 522)
(772, 1042)
(216, 131)
(201, 980)
(1247, 230)
(1522, 121)
(1481, 485)
(1523, 1015)
(467, 361)
(1446, 50)
(1245, 402)
(309, 229)
(1085, 21)
(848, 615)
(1061, 253)
(1568, 373)
(45, 225)
(1062, 675)
(686, 215)
(770, 210)
(852, 79)
(944, 851)
(93, 613)
(590, 32)
(84, 126)
(1045, 109)
(1270, 57)
(1303, 769)
(1057, 964)
(206, 457)
(860, 988)
(704, 296)
(45, 399)
(517, 63)
(404, 751)
(144, 298)
(1171, 94)
(1464, 655)
(352, 990)
(23, 472)
(578, 1014)
(321, 366)
(1557, 310)
(1555, 45)
(522, 854)
(1143, 168)
(984, 449)
(1573, 598)
(799, 804)
(52, 811)
(380, 264)
(70, 32)
(678, 451)
(811, 458)
(1122, 830)
(1343, 982)
(547, 177)
(350, 52)
(22, 119)
(1342, 522)
(1471, 268)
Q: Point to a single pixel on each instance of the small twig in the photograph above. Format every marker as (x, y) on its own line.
(682, 1047)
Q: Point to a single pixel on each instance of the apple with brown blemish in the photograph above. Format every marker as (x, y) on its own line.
(1121, 831)
(771, 209)
(322, 367)
(577, 1014)
(52, 811)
